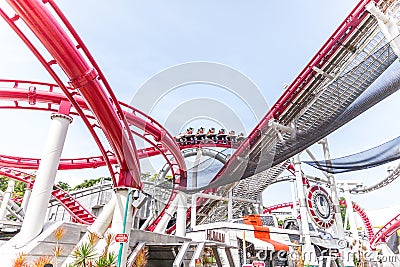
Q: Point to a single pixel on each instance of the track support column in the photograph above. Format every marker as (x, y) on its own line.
(308, 252)
(334, 194)
(46, 174)
(193, 211)
(295, 213)
(27, 196)
(350, 212)
(6, 198)
(230, 204)
(122, 221)
(181, 214)
(347, 259)
(169, 213)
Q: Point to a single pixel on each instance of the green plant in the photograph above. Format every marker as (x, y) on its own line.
(106, 261)
(84, 255)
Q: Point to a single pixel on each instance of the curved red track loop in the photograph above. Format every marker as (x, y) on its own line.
(386, 231)
(160, 135)
(72, 206)
(144, 122)
(89, 162)
(42, 23)
(47, 65)
(78, 212)
(360, 211)
(365, 219)
(81, 45)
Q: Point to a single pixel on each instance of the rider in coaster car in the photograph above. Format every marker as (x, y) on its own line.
(189, 131)
(200, 135)
(240, 137)
(211, 134)
(221, 135)
(189, 135)
(232, 136)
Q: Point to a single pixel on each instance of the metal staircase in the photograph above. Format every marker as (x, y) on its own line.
(77, 211)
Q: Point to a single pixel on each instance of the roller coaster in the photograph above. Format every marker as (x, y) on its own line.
(173, 208)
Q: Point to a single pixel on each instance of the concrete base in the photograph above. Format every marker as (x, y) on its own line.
(43, 244)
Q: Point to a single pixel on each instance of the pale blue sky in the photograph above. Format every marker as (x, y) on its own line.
(269, 41)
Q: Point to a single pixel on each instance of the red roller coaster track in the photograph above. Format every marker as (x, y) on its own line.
(78, 212)
(97, 96)
(386, 231)
(321, 58)
(48, 100)
(360, 211)
(89, 80)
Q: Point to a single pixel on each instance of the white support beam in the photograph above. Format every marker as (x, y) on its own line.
(46, 174)
(6, 198)
(196, 254)
(181, 214)
(27, 196)
(121, 222)
(230, 204)
(193, 211)
(182, 251)
(294, 198)
(162, 224)
(334, 194)
(335, 199)
(135, 253)
(350, 212)
(308, 249)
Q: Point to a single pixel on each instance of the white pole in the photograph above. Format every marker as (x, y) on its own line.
(350, 212)
(308, 252)
(334, 194)
(103, 221)
(302, 200)
(121, 222)
(347, 260)
(6, 198)
(193, 211)
(195, 168)
(181, 214)
(162, 224)
(27, 195)
(41, 192)
(230, 204)
(294, 198)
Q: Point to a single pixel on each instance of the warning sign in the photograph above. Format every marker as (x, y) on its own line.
(121, 238)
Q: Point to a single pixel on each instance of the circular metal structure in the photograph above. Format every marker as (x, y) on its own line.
(320, 207)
